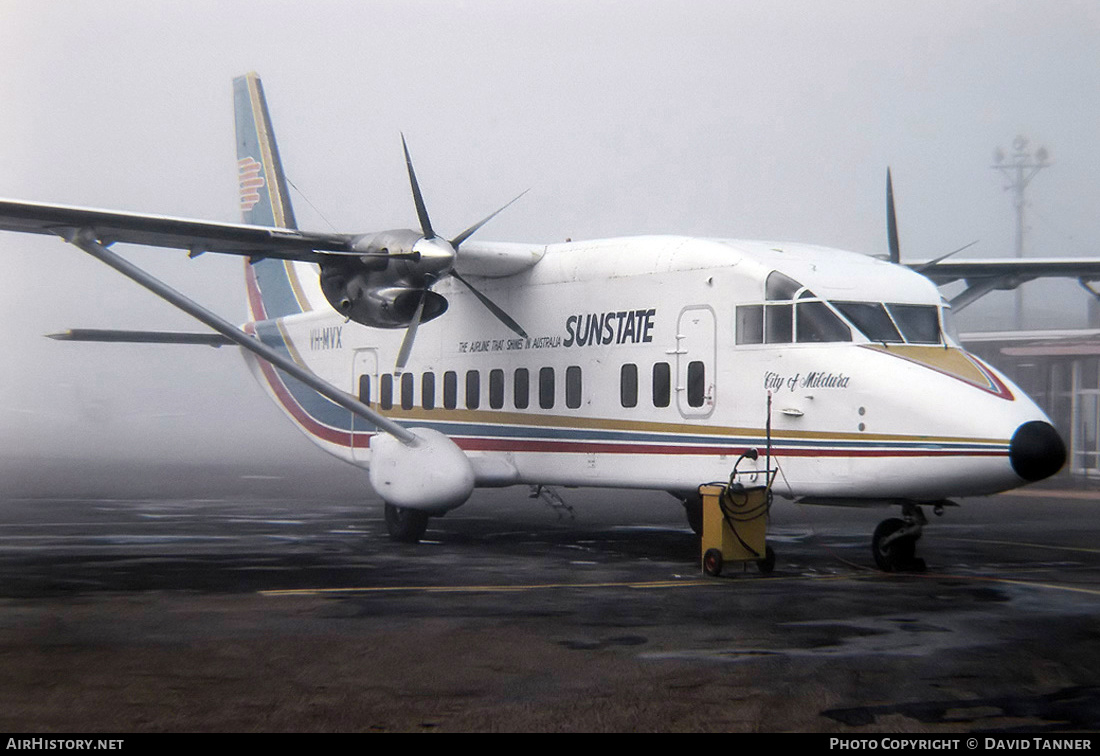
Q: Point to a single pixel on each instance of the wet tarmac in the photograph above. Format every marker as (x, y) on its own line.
(270, 608)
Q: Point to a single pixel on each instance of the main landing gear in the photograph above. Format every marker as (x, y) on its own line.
(405, 525)
(894, 543)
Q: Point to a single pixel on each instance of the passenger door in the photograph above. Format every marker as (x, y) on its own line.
(696, 377)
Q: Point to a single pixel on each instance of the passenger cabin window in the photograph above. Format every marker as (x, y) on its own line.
(521, 388)
(662, 384)
(573, 387)
(450, 389)
(496, 389)
(427, 391)
(546, 388)
(386, 389)
(364, 389)
(473, 389)
(407, 391)
(696, 384)
(628, 385)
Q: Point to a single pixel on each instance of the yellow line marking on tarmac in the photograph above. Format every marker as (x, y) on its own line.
(1006, 581)
(1023, 544)
(1043, 493)
(650, 585)
(482, 588)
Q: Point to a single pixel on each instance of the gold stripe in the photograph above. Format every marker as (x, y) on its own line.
(263, 137)
(952, 361)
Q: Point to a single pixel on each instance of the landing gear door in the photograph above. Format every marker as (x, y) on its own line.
(696, 376)
(365, 386)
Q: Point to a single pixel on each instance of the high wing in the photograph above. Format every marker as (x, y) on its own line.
(479, 258)
(984, 276)
(163, 231)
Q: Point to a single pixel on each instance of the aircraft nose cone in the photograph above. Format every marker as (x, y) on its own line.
(1036, 451)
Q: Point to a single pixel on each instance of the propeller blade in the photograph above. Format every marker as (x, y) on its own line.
(418, 198)
(500, 314)
(473, 229)
(410, 335)
(932, 263)
(891, 220)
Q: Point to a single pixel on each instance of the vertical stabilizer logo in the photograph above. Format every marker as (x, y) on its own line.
(248, 174)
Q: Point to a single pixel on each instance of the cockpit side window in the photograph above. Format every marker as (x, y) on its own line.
(791, 313)
(920, 324)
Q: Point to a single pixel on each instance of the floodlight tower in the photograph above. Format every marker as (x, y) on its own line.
(1020, 168)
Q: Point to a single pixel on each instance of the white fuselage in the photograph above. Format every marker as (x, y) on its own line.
(633, 375)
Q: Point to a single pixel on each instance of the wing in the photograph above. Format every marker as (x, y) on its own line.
(163, 231)
(1015, 269)
(983, 276)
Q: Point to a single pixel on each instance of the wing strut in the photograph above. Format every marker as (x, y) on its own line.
(84, 239)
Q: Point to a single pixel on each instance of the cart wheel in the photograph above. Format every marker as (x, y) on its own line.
(712, 562)
(767, 564)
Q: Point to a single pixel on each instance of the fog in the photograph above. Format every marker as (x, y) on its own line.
(771, 120)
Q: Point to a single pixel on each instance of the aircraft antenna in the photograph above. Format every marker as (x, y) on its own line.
(308, 202)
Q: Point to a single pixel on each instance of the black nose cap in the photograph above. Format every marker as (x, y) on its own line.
(1036, 451)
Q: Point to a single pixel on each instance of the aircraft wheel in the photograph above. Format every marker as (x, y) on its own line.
(767, 564)
(405, 525)
(898, 554)
(712, 562)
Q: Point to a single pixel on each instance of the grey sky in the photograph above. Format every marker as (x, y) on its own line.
(740, 119)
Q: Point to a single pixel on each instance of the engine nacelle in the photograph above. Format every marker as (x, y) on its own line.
(383, 286)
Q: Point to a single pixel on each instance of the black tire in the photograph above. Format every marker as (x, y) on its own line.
(405, 525)
(897, 555)
(712, 562)
(767, 564)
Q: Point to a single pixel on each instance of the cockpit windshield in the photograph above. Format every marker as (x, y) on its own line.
(791, 313)
(894, 323)
(871, 319)
(919, 324)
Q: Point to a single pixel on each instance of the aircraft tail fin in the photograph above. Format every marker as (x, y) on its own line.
(264, 197)
(274, 290)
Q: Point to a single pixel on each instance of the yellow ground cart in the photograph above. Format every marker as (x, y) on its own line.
(735, 520)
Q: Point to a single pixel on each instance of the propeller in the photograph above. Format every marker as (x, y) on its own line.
(444, 247)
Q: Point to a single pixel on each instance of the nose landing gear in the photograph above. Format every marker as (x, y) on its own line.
(894, 543)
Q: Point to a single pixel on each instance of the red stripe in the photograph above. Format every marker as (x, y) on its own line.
(581, 447)
(255, 299)
(473, 443)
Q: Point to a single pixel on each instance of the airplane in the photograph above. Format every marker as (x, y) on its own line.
(441, 365)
